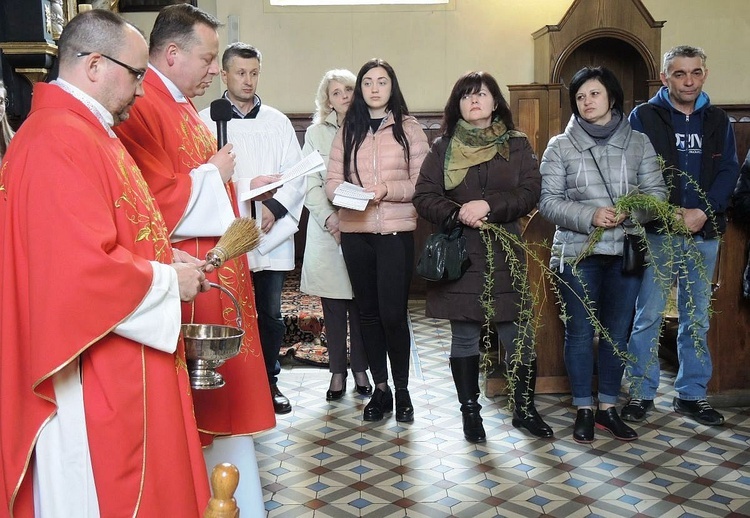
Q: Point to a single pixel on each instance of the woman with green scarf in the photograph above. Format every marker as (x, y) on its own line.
(487, 171)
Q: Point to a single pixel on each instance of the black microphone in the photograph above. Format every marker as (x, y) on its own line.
(221, 113)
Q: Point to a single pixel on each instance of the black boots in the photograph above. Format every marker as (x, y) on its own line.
(466, 377)
(583, 429)
(524, 413)
(404, 407)
(380, 403)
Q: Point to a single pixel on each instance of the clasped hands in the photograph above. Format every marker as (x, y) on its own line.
(694, 219)
(608, 217)
(474, 213)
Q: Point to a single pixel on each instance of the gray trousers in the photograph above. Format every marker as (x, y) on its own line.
(465, 338)
(336, 313)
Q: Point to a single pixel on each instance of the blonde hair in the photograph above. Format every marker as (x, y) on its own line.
(6, 132)
(322, 106)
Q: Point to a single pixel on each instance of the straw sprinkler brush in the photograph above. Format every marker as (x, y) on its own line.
(242, 236)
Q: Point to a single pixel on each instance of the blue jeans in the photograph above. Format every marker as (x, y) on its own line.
(693, 303)
(612, 295)
(268, 285)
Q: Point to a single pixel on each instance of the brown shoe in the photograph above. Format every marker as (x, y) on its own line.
(281, 404)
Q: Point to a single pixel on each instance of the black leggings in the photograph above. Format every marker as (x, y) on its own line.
(380, 269)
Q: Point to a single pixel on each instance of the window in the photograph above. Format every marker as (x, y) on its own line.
(313, 3)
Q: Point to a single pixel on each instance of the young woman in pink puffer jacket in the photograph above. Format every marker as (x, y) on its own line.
(381, 148)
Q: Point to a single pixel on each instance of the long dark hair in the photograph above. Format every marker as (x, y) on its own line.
(357, 121)
(471, 83)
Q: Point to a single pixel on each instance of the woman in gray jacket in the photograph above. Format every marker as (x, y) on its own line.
(584, 171)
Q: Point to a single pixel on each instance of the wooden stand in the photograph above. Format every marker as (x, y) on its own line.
(224, 480)
(729, 334)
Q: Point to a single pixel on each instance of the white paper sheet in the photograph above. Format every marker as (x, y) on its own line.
(351, 196)
(312, 163)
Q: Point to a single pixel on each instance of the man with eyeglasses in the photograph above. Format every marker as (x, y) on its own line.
(192, 184)
(697, 143)
(95, 403)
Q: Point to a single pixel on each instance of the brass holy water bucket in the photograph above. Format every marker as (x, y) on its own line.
(208, 346)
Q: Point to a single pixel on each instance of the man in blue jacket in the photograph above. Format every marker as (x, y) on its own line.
(697, 144)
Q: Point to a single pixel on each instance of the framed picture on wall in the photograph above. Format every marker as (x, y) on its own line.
(129, 6)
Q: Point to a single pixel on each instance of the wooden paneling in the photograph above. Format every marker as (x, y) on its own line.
(552, 377)
(536, 112)
(729, 334)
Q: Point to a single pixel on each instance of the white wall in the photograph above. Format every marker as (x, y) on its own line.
(430, 47)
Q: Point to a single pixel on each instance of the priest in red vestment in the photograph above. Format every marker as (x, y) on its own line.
(192, 185)
(95, 400)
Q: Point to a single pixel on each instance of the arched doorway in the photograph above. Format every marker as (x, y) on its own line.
(619, 56)
(619, 34)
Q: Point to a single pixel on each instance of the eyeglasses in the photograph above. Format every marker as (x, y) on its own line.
(137, 72)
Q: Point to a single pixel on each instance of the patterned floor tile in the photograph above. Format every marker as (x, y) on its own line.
(322, 460)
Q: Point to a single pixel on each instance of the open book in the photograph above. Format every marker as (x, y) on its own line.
(351, 196)
(312, 163)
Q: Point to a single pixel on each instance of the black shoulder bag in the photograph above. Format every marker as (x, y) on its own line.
(633, 245)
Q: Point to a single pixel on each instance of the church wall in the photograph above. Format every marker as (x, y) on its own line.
(430, 47)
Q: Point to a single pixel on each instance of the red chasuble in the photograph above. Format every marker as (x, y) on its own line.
(168, 140)
(78, 226)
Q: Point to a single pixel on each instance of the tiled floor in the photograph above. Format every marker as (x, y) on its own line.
(322, 460)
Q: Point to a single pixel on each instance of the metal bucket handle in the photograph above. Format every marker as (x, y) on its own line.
(236, 304)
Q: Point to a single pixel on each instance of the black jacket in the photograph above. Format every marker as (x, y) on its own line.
(718, 167)
(741, 214)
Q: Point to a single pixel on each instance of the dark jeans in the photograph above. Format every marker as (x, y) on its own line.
(380, 268)
(268, 285)
(612, 295)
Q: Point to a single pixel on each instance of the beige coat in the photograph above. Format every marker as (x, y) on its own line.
(381, 160)
(323, 269)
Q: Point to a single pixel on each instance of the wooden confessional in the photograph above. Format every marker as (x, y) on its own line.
(622, 35)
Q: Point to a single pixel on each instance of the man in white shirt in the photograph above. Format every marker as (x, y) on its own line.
(265, 143)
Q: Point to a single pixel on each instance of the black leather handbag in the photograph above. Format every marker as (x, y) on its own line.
(633, 254)
(633, 245)
(444, 257)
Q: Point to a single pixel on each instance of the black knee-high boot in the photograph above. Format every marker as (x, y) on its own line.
(525, 414)
(466, 377)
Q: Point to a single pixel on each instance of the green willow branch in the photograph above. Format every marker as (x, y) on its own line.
(678, 251)
(515, 248)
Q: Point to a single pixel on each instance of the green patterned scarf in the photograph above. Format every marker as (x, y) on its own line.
(470, 146)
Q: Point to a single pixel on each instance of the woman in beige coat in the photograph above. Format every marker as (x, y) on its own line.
(323, 269)
(380, 148)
